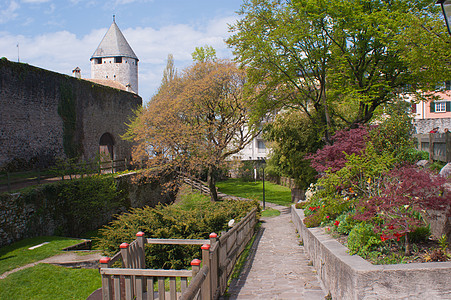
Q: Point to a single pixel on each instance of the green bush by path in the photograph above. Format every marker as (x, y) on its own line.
(17, 254)
(190, 219)
(254, 190)
(50, 282)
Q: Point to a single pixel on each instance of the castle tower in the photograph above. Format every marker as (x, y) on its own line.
(115, 60)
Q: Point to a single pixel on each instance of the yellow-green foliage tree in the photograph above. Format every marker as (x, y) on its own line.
(195, 121)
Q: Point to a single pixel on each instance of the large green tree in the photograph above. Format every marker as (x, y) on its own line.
(340, 59)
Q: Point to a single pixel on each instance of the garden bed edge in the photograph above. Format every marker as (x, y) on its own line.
(352, 277)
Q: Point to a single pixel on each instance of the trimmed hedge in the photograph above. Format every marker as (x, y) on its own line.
(175, 222)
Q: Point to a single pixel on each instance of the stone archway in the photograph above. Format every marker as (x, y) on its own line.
(106, 147)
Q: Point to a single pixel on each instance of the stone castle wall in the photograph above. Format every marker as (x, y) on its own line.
(45, 115)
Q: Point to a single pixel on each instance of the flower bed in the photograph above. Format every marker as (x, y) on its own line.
(352, 277)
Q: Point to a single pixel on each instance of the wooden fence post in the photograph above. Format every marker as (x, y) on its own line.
(107, 291)
(195, 264)
(206, 285)
(431, 147)
(214, 264)
(141, 254)
(448, 146)
(124, 254)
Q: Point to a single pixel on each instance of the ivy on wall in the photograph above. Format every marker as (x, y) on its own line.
(68, 113)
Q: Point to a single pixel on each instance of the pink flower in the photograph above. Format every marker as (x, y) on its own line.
(327, 217)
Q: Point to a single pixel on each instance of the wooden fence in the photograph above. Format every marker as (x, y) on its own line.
(438, 145)
(11, 180)
(209, 281)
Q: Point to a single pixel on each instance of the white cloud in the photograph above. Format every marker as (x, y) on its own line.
(63, 51)
(9, 13)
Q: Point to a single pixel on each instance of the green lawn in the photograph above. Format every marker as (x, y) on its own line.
(254, 190)
(17, 254)
(50, 282)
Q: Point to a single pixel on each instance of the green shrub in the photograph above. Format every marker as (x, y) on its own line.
(420, 234)
(313, 220)
(437, 166)
(172, 221)
(347, 223)
(362, 239)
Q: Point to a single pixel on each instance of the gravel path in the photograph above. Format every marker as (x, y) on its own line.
(277, 267)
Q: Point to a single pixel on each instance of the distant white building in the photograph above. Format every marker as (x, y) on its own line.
(255, 150)
(115, 61)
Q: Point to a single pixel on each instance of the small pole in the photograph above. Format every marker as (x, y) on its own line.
(264, 207)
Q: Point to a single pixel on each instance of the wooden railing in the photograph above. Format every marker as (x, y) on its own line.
(219, 256)
(438, 145)
(195, 184)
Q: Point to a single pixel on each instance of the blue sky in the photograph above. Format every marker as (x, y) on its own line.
(61, 35)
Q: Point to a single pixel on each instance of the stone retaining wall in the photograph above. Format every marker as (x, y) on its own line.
(351, 277)
(35, 213)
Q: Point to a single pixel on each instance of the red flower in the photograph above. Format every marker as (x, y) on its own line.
(337, 223)
(398, 235)
(327, 217)
(390, 227)
(384, 237)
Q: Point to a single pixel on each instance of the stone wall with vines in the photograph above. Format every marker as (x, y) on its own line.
(47, 115)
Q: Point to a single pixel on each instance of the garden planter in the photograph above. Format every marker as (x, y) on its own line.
(351, 277)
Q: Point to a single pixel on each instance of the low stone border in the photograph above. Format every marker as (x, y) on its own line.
(351, 277)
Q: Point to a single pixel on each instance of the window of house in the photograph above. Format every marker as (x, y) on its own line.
(440, 106)
(98, 61)
(118, 60)
(261, 146)
(448, 85)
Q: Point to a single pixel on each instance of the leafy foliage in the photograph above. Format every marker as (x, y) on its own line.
(292, 136)
(174, 221)
(345, 142)
(340, 59)
(405, 193)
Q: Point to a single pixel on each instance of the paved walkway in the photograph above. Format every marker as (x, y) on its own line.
(277, 267)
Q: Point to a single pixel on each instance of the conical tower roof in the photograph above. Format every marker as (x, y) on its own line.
(114, 44)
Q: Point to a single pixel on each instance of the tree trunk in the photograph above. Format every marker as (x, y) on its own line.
(211, 183)
(407, 244)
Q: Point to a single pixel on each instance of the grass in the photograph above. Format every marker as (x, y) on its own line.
(270, 212)
(190, 200)
(50, 282)
(253, 190)
(24, 176)
(17, 254)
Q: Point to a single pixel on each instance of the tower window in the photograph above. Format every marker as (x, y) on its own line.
(118, 60)
(98, 61)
